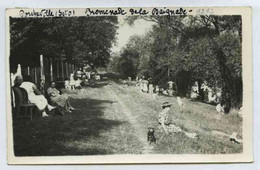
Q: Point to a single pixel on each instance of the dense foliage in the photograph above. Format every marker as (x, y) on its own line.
(185, 50)
(78, 40)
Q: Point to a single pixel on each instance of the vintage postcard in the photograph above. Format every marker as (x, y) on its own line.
(129, 85)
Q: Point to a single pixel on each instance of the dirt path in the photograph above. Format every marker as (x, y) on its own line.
(141, 135)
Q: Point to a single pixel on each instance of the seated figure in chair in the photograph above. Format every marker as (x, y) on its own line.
(61, 101)
(34, 95)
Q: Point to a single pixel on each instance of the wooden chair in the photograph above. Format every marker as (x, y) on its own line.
(22, 109)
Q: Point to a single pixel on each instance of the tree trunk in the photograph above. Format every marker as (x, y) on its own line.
(224, 71)
(201, 92)
(226, 84)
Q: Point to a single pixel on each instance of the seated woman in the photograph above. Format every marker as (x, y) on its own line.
(163, 119)
(78, 84)
(62, 101)
(34, 95)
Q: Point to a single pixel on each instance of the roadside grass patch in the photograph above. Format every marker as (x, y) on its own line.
(194, 117)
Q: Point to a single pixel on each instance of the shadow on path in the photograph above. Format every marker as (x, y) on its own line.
(65, 135)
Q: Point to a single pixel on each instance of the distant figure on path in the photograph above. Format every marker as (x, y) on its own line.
(141, 84)
(88, 74)
(179, 101)
(151, 88)
(72, 82)
(145, 86)
(157, 89)
(170, 91)
(170, 83)
(97, 77)
(137, 79)
(79, 73)
(78, 84)
(220, 108)
(67, 84)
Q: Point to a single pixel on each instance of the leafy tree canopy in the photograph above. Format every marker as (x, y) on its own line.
(78, 40)
(190, 48)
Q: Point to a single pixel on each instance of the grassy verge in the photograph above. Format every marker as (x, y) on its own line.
(193, 117)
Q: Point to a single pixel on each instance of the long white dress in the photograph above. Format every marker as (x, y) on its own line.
(39, 100)
(145, 85)
(170, 83)
(151, 88)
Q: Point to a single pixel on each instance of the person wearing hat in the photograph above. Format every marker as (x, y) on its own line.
(163, 116)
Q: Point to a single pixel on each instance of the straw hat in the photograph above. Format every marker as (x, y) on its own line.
(166, 104)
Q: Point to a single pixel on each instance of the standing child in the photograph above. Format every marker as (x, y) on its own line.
(157, 89)
(67, 84)
(72, 82)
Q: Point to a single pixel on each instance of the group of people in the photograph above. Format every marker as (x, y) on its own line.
(146, 86)
(57, 100)
(82, 77)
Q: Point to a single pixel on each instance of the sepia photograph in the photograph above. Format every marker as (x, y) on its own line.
(167, 83)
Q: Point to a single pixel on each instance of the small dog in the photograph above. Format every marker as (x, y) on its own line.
(150, 136)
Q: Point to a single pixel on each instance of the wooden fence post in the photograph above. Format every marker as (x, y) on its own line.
(41, 64)
(62, 70)
(66, 68)
(69, 69)
(28, 70)
(19, 70)
(51, 69)
(42, 75)
(58, 69)
(35, 75)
